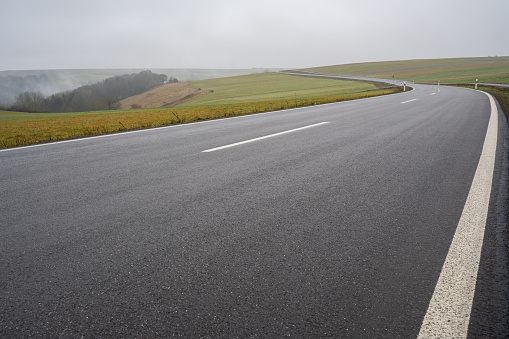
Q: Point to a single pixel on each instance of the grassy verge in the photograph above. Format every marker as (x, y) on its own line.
(20, 129)
(502, 96)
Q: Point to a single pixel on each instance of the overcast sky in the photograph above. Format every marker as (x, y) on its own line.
(77, 34)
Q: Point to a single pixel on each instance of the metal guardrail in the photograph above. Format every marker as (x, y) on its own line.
(462, 84)
(392, 83)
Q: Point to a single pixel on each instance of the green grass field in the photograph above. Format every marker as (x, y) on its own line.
(270, 86)
(458, 70)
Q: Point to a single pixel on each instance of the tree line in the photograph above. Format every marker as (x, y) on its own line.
(103, 95)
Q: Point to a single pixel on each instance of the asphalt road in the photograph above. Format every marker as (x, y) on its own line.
(339, 229)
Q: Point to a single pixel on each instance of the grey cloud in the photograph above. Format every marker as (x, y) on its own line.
(220, 34)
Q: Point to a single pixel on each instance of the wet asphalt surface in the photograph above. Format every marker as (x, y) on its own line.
(338, 230)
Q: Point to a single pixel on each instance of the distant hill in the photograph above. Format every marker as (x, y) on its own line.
(103, 95)
(453, 70)
(267, 86)
(232, 89)
(49, 82)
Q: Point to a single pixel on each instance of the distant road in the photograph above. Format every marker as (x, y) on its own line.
(327, 221)
(387, 81)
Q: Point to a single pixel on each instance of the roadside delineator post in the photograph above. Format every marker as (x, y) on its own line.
(476, 83)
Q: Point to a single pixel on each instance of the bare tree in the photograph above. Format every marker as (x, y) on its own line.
(30, 102)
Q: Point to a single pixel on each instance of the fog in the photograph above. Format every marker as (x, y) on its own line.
(48, 82)
(71, 34)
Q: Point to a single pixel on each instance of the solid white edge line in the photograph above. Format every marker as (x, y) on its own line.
(261, 138)
(449, 310)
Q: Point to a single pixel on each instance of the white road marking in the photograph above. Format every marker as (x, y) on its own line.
(449, 310)
(80, 139)
(432, 93)
(404, 102)
(153, 129)
(264, 137)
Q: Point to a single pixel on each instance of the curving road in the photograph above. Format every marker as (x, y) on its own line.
(327, 221)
